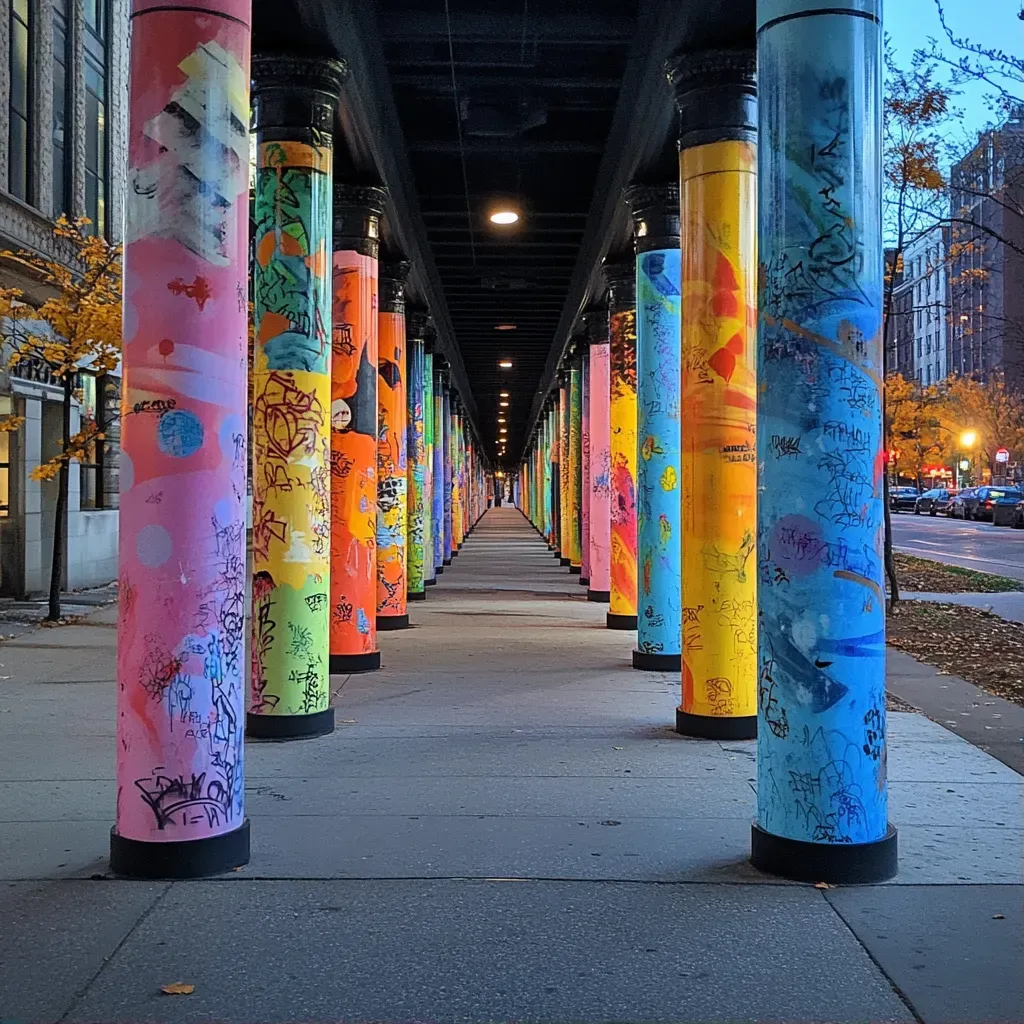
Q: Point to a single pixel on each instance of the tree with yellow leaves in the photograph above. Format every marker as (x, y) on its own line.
(915, 425)
(989, 410)
(77, 326)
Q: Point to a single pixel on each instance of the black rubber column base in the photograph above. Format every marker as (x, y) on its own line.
(557, 554)
(289, 727)
(599, 596)
(439, 570)
(430, 583)
(447, 561)
(343, 664)
(389, 623)
(621, 621)
(563, 561)
(416, 595)
(195, 858)
(835, 863)
(712, 727)
(584, 581)
(575, 570)
(657, 662)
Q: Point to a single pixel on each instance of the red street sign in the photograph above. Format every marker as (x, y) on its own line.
(1002, 455)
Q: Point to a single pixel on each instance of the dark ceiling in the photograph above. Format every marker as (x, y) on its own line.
(550, 106)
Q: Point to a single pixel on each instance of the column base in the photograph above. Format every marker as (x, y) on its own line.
(455, 551)
(575, 570)
(189, 858)
(389, 623)
(557, 553)
(439, 570)
(343, 664)
(289, 727)
(430, 583)
(836, 863)
(563, 561)
(657, 662)
(621, 621)
(416, 595)
(447, 561)
(599, 596)
(584, 581)
(712, 727)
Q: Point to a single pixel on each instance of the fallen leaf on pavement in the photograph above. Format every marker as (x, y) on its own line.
(823, 885)
(177, 988)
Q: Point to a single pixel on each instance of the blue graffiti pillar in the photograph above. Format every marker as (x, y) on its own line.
(821, 760)
(655, 212)
(437, 479)
(446, 417)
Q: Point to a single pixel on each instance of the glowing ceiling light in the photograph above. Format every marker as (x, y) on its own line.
(504, 405)
(506, 327)
(504, 394)
(505, 364)
(504, 217)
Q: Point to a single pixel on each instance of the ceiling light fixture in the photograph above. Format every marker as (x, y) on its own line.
(504, 394)
(504, 217)
(505, 364)
(504, 405)
(506, 327)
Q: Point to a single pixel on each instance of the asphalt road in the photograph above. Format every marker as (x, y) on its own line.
(972, 545)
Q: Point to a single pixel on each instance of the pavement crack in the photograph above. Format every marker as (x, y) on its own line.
(107, 960)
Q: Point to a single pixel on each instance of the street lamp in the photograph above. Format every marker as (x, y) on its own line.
(967, 441)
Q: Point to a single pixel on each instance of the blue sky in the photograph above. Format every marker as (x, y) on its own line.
(994, 23)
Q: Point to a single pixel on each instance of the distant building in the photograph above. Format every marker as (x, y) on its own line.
(63, 147)
(899, 329)
(986, 327)
(925, 275)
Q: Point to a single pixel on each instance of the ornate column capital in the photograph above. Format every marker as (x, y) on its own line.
(716, 94)
(620, 280)
(392, 286)
(655, 210)
(358, 210)
(294, 97)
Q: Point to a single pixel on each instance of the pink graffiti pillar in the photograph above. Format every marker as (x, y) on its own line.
(599, 414)
(180, 713)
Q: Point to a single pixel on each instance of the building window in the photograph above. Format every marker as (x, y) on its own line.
(101, 405)
(6, 408)
(20, 107)
(920, 318)
(918, 348)
(96, 155)
(61, 106)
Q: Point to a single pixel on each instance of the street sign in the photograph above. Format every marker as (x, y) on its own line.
(1002, 455)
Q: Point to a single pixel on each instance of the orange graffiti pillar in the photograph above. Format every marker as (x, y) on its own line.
(392, 442)
(621, 281)
(353, 638)
(716, 94)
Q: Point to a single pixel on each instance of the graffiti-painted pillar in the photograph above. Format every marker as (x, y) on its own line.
(429, 522)
(575, 487)
(659, 596)
(353, 640)
(416, 473)
(291, 429)
(458, 483)
(717, 100)
(555, 442)
(821, 761)
(621, 281)
(181, 616)
(392, 466)
(585, 464)
(564, 471)
(446, 420)
(595, 323)
(437, 494)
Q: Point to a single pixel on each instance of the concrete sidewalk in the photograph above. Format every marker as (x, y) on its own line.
(503, 827)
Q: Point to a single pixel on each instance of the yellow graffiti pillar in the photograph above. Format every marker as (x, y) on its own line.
(621, 280)
(718, 213)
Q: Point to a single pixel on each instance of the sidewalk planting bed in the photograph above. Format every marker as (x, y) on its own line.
(971, 643)
(926, 576)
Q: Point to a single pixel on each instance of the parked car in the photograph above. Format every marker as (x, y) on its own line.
(978, 502)
(903, 499)
(955, 509)
(934, 501)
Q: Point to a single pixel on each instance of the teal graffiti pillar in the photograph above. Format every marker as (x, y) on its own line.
(655, 211)
(821, 759)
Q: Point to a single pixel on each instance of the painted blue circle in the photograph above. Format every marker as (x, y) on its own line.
(180, 433)
(153, 545)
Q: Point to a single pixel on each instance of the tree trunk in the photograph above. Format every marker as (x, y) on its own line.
(888, 561)
(57, 566)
